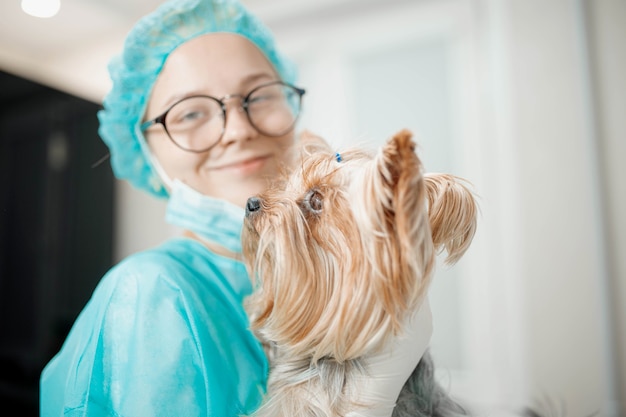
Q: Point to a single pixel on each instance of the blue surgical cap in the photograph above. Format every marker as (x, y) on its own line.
(134, 72)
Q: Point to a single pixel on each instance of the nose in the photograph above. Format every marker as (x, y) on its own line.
(253, 205)
(237, 125)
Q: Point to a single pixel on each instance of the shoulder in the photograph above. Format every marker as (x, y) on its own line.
(172, 261)
(163, 269)
(170, 256)
(176, 285)
(181, 268)
(158, 316)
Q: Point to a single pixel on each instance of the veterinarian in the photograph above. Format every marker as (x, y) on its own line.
(202, 112)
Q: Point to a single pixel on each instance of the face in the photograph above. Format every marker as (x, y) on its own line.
(244, 160)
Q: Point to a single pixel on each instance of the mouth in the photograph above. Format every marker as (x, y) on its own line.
(244, 166)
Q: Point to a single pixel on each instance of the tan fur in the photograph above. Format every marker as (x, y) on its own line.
(333, 285)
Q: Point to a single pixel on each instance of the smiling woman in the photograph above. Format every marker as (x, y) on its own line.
(238, 142)
(205, 159)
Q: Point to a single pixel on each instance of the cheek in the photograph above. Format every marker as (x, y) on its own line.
(284, 151)
(176, 162)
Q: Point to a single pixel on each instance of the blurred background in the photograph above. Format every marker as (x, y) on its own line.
(524, 98)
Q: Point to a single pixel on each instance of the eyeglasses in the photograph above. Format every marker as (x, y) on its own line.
(197, 123)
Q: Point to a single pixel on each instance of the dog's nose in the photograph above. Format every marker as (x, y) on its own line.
(253, 205)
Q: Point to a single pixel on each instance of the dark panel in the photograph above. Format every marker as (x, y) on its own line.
(56, 214)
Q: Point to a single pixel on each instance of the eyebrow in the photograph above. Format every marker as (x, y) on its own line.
(245, 82)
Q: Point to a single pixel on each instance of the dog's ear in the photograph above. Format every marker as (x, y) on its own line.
(398, 212)
(402, 188)
(452, 213)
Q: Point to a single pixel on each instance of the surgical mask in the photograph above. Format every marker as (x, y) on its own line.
(210, 218)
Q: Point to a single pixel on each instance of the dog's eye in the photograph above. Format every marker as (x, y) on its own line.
(313, 201)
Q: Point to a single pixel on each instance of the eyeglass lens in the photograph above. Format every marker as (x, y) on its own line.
(197, 123)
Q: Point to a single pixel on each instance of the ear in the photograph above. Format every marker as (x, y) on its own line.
(452, 213)
(398, 212)
(401, 182)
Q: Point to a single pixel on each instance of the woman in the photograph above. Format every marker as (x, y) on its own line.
(202, 112)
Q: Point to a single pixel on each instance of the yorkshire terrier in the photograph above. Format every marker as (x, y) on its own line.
(342, 251)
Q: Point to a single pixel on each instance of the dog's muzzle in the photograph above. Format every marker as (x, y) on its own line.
(253, 205)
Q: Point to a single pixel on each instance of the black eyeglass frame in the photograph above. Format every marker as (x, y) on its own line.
(222, 102)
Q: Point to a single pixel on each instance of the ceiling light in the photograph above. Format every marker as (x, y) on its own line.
(41, 8)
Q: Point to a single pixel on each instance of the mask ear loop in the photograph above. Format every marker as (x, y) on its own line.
(152, 160)
(160, 171)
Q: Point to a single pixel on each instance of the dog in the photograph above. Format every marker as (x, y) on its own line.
(341, 251)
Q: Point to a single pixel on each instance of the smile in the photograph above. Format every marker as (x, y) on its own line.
(246, 166)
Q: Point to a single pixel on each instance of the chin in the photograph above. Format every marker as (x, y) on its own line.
(237, 190)
(244, 191)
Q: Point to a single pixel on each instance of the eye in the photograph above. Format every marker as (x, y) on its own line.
(192, 112)
(313, 201)
(191, 116)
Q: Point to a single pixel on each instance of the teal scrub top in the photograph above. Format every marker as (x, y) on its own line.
(164, 334)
